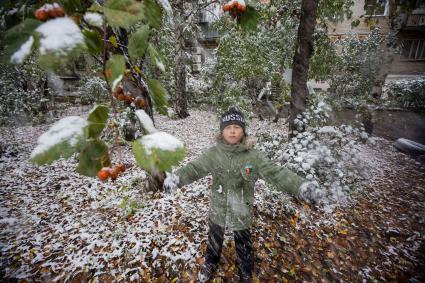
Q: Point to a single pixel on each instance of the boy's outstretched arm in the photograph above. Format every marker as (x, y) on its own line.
(278, 176)
(286, 180)
(195, 169)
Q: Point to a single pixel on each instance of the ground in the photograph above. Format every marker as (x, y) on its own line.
(58, 225)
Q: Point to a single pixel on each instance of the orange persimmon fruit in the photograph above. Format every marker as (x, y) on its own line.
(103, 174)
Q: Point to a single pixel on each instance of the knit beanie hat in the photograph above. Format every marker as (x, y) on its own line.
(232, 116)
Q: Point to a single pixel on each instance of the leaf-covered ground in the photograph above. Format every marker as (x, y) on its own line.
(57, 225)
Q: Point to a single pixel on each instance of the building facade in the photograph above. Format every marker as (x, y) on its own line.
(406, 26)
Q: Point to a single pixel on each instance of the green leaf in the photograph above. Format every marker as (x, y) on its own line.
(154, 159)
(97, 119)
(71, 6)
(113, 41)
(93, 157)
(122, 13)
(16, 36)
(156, 58)
(96, 8)
(249, 19)
(114, 70)
(138, 42)
(355, 23)
(159, 95)
(93, 41)
(63, 139)
(152, 11)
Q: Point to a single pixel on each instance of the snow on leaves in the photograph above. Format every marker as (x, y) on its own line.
(59, 36)
(25, 50)
(94, 19)
(146, 121)
(62, 139)
(74, 134)
(156, 151)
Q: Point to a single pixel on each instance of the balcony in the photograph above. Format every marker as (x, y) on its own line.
(416, 20)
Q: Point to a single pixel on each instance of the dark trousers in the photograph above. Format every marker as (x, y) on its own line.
(244, 250)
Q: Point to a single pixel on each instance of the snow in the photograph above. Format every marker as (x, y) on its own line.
(171, 181)
(116, 81)
(94, 19)
(69, 129)
(162, 141)
(167, 7)
(25, 49)
(146, 121)
(12, 11)
(242, 2)
(327, 130)
(59, 35)
(160, 65)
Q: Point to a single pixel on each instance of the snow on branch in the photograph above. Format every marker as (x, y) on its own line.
(146, 121)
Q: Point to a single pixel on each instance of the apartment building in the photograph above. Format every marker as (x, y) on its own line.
(408, 29)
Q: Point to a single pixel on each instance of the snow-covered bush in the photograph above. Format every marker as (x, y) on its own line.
(92, 89)
(357, 68)
(406, 93)
(22, 98)
(323, 153)
(197, 87)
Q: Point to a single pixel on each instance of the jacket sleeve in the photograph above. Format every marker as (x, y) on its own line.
(280, 177)
(195, 169)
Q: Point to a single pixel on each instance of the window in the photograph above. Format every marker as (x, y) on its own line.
(377, 7)
(413, 49)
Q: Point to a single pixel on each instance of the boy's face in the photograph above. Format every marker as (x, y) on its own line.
(233, 134)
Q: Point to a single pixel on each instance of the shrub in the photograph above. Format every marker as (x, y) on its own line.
(323, 153)
(356, 70)
(22, 99)
(92, 89)
(406, 93)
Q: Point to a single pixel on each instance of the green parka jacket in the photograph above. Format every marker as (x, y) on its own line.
(235, 169)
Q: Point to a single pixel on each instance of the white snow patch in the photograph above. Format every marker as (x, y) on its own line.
(116, 81)
(59, 35)
(167, 7)
(171, 181)
(9, 221)
(160, 65)
(162, 141)
(94, 19)
(146, 121)
(69, 129)
(25, 49)
(327, 130)
(242, 2)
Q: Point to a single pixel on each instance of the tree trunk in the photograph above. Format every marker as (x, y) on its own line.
(180, 98)
(300, 67)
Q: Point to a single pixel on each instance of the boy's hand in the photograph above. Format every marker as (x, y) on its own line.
(311, 192)
(171, 183)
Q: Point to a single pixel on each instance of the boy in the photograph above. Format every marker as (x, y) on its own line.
(235, 167)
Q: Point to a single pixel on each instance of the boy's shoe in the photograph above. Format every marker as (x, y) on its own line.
(207, 272)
